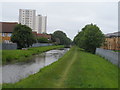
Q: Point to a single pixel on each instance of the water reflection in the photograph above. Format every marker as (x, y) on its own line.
(14, 72)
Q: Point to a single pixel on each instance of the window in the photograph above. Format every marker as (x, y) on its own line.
(9, 34)
(3, 34)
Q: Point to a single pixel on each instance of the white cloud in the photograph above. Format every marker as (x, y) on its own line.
(1, 11)
(59, 0)
(69, 17)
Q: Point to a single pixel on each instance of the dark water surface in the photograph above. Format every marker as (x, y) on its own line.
(14, 72)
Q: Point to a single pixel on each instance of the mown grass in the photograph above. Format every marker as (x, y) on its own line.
(12, 56)
(0, 57)
(92, 71)
(76, 69)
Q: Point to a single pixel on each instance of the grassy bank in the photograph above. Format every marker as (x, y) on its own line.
(12, 56)
(76, 69)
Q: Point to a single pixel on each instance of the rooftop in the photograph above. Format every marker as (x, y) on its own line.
(7, 27)
(115, 34)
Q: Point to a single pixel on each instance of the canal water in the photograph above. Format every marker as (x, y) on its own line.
(14, 72)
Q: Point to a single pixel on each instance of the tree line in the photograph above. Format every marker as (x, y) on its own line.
(89, 38)
(23, 36)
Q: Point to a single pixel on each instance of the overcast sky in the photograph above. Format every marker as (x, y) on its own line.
(68, 16)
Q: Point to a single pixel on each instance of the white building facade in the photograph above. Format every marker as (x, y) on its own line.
(27, 17)
(36, 23)
(44, 24)
(39, 23)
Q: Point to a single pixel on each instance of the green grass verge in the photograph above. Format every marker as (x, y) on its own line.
(12, 56)
(116, 50)
(76, 69)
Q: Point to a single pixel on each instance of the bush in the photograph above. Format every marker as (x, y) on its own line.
(23, 36)
(42, 40)
(61, 38)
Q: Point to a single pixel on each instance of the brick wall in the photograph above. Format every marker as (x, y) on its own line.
(112, 43)
(9, 46)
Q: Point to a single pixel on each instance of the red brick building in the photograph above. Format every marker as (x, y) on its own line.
(6, 29)
(112, 41)
(48, 36)
(44, 35)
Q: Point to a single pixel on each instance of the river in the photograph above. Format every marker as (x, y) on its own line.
(12, 73)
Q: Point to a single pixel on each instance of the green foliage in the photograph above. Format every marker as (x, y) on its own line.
(23, 36)
(61, 38)
(89, 38)
(82, 70)
(42, 40)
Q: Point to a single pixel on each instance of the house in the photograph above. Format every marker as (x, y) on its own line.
(6, 29)
(112, 41)
(48, 36)
(34, 33)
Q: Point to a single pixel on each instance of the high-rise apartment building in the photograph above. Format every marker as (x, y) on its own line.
(44, 24)
(41, 23)
(27, 17)
(36, 23)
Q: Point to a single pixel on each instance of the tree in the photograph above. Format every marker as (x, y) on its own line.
(23, 36)
(62, 37)
(89, 38)
(42, 40)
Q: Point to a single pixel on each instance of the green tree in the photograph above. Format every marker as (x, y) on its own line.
(89, 38)
(64, 40)
(42, 40)
(23, 36)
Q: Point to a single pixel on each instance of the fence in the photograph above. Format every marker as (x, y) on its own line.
(11, 46)
(8, 46)
(109, 55)
(41, 44)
